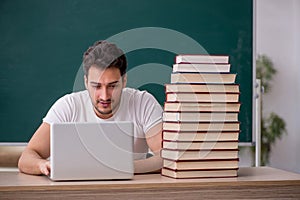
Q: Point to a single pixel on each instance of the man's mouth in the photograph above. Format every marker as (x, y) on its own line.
(104, 104)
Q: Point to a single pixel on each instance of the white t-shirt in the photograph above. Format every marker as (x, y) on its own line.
(140, 107)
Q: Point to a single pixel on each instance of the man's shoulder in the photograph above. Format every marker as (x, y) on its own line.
(79, 94)
(76, 96)
(134, 92)
(134, 96)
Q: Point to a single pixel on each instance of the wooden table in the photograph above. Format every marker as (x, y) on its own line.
(254, 183)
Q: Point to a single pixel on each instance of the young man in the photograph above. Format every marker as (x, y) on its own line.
(105, 99)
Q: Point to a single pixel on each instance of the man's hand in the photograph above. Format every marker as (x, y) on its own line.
(44, 166)
(34, 157)
(154, 141)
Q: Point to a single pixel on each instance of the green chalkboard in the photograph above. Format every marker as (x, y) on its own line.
(42, 44)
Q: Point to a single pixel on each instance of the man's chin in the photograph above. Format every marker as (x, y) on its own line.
(104, 111)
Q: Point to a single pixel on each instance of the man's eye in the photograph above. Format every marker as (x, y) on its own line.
(112, 86)
(96, 86)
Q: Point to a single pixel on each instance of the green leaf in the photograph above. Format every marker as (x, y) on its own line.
(265, 71)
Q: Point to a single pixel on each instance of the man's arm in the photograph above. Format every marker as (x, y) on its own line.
(33, 159)
(154, 141)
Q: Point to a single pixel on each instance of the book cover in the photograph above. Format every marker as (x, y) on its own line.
(202, 106)
(202, 88)
(216, 97)
(202, 58)
(201, 126)
(190, 136)
(200, 116)
(200, 68)
(180, 174)
(217, 78)
(200, 154)
(201, 164)
(196, 145)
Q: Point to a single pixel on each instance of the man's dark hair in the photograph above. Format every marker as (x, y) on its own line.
(104, 55)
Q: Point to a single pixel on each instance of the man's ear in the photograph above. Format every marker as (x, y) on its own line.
(85, 82)
(124, 80)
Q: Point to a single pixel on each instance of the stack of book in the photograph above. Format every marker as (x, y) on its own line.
(200, 119)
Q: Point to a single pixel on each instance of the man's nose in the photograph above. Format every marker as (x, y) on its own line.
(104, 95)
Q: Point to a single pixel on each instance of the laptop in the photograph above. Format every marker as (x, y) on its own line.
(91, 151)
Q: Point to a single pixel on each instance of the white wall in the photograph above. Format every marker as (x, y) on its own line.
(278, 36)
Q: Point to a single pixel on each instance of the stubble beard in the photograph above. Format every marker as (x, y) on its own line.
(103, 112)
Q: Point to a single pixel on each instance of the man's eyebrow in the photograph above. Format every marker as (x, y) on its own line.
(96, 83)
(114, 82)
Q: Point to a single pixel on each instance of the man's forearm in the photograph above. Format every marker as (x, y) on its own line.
(30, 162)
(151, 164)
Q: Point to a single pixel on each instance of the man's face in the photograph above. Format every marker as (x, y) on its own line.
(105, 89)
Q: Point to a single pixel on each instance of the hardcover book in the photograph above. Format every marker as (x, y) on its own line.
(200, 67)
(201, 164)
(202, 107)
(201, 154)
(181, 145)
(190, 136)
(217, 78)
(201, 126)
(202, 88)
(202, 58)
(199, 173)
(200, 116)
(202, 97)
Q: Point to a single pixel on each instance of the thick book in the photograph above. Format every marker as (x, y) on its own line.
(201, 164)
(201, 126)
(202, 58)
(200, 136)
(202, 107)
(195, 145)
(199, 154)
(217, 78)
(200, 67)
(200, 116)
(181, 174)
(200, 88)
(202, 97)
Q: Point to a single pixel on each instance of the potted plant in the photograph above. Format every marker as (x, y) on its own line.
(272, 125)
